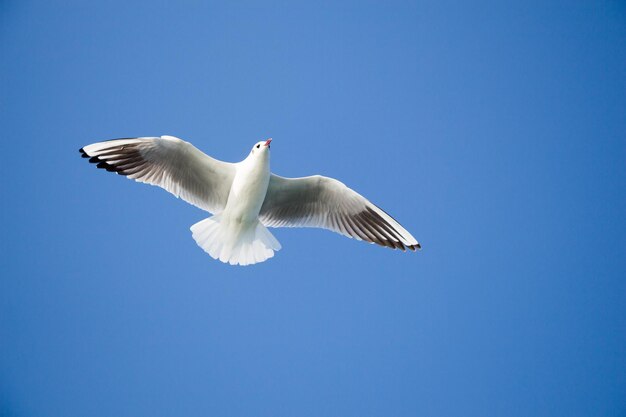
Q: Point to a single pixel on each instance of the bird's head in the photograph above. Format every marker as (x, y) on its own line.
(261, 148)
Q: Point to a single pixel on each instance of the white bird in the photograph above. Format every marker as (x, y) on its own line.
(245, 197)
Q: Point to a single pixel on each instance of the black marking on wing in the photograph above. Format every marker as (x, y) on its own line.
(124, 160)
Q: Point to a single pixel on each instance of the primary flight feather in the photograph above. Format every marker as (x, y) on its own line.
(245, 197)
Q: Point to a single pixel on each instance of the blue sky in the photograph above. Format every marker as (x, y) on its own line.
(494, 132)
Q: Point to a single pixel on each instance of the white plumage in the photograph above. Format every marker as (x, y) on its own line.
(245, 197)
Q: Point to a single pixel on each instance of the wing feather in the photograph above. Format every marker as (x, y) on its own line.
(170, 163)
(326, 203)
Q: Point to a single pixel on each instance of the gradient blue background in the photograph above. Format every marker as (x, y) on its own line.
(495, 132)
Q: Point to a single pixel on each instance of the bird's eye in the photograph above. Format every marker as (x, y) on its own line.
(257, 146)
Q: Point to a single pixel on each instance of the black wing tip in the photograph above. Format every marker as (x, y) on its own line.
(390, 229)
(105, 165)
(413, 248)
(101, 163)
(397, 245)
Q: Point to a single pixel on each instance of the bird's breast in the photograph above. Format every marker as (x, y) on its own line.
(247, 194)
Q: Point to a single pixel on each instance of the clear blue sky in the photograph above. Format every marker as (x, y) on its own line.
(495, 132)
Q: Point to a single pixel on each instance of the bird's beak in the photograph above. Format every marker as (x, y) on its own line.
(267, 142)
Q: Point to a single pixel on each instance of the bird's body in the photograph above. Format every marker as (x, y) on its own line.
(236, 235)
(246, 197)
(248, 190)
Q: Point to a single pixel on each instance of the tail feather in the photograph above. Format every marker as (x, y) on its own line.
(242, 247)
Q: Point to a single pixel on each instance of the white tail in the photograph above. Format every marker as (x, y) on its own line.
(234, 245)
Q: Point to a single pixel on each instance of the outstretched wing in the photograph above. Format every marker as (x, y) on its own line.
(324, 202)
(170, 163)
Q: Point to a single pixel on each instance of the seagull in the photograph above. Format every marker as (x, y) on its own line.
(245, 198)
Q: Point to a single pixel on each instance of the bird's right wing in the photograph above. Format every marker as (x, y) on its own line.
(170, 163)
(324, 202)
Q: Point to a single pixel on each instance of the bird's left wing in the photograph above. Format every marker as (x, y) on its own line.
(324, 202)
(170, 163)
